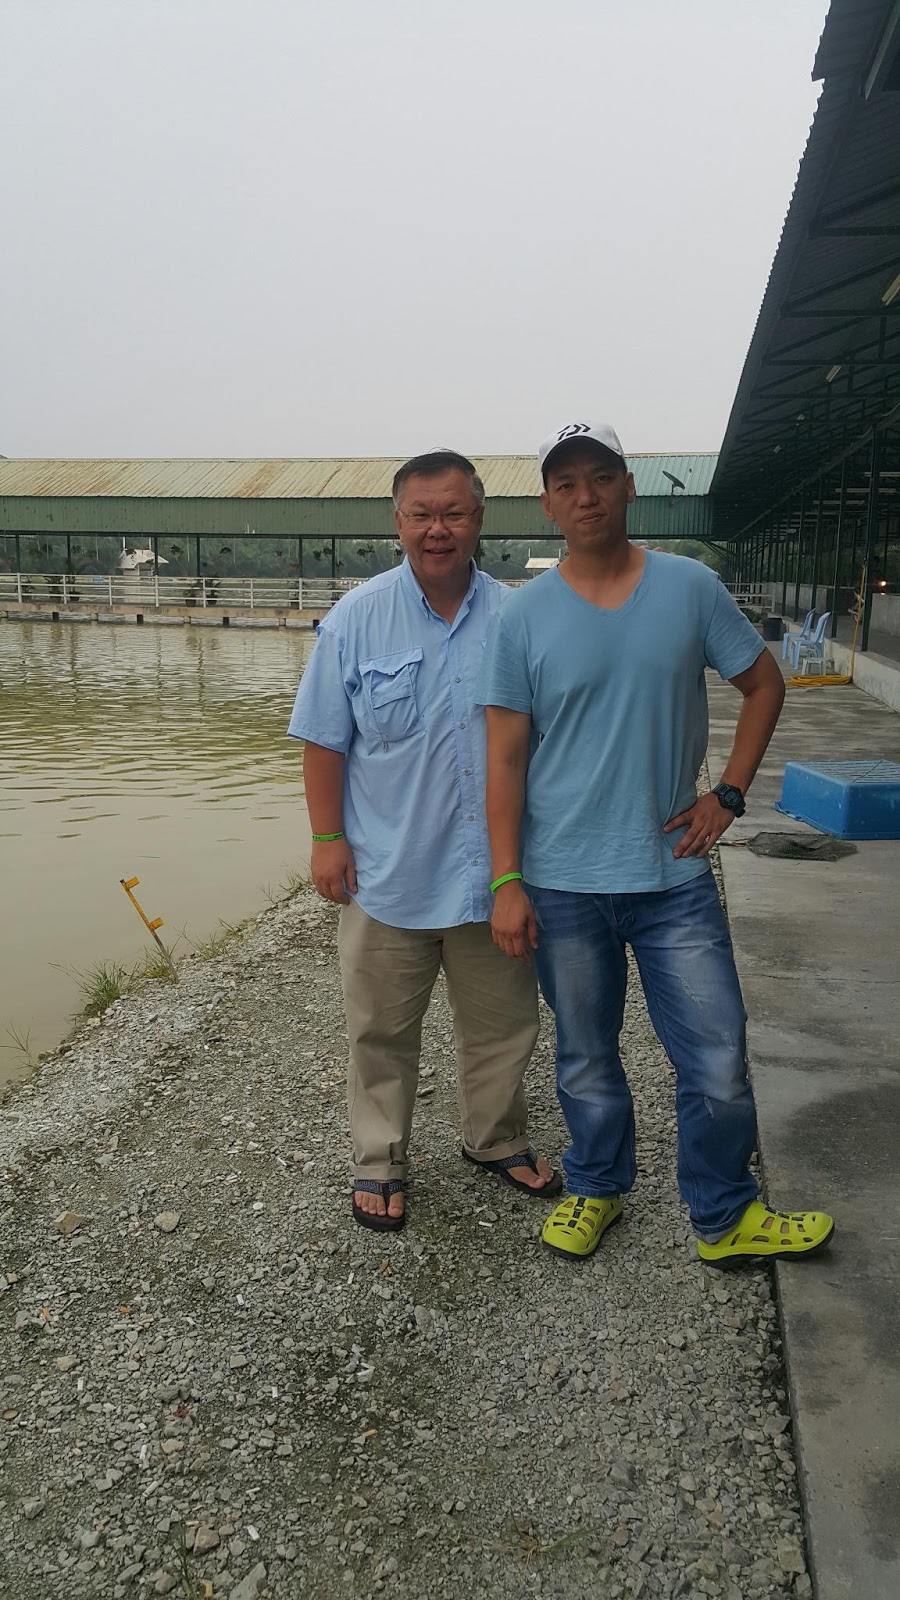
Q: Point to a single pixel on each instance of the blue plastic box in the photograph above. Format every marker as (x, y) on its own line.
(851, 799)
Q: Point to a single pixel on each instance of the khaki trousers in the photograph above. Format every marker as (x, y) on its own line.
(388, 975)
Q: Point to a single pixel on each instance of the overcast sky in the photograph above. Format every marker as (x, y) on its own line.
(272, 227)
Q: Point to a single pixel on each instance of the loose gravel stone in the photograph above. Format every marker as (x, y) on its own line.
(251, 1586)
(69, 1222)
(264, 1399)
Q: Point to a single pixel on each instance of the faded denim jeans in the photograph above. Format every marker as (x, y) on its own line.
(683, 951)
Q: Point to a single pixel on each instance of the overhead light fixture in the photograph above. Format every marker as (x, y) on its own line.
(832, 373)
(891, 292)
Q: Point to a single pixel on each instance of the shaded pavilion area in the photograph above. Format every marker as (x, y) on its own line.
(807, 486)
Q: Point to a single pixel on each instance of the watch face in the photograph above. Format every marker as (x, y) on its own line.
(731, 797)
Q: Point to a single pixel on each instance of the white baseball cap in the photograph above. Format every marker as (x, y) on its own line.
(600, 432)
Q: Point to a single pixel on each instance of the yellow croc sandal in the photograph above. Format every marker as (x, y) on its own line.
(577, 1225)
(763, 1235)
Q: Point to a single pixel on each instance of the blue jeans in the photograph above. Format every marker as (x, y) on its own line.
(683, 951)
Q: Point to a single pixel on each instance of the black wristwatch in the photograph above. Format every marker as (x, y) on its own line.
(730, 797)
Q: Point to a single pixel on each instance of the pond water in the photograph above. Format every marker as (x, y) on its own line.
(156, 752)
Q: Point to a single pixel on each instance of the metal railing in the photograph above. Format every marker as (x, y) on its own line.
(149, 591)
(749, 595)
(142, 592)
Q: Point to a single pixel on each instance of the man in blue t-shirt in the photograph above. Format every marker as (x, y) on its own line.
(597, 726)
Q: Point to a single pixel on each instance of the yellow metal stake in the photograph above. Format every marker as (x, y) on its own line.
(128, 884)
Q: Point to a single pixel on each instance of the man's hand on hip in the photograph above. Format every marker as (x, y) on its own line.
(513, 924)
(706, 821)
(333, 871)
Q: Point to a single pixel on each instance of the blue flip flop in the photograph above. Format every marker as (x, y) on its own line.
(522, 1158)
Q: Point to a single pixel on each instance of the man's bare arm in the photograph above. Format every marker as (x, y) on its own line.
(331, 865)
(762, 687)
(508, 741)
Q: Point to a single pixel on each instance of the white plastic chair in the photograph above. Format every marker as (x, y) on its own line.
(806, 653)
(789, 639)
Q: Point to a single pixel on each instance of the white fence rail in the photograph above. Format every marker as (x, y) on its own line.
(148, 592)
(751, 597)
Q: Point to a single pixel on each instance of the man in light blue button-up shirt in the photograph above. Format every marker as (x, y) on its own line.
(395, 776)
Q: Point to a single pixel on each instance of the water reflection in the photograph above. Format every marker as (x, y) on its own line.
(157, 750)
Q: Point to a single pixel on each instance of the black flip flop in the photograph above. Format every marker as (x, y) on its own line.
(371, 1219)
(522, 1158)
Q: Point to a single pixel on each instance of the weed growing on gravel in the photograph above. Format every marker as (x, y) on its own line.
(292, 885)
(160, 964)
(191, 1588)
(21, 1042)
(523, 1542)
(101, 985)
(217, 943)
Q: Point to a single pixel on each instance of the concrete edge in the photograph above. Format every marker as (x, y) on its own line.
(875, 675)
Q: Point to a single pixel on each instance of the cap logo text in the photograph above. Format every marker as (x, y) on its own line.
(570, 431)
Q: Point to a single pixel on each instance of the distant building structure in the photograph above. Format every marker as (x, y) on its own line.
(302, 501)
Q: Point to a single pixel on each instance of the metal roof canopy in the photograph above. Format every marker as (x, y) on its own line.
(315, 498)
(823, 367)
(301, 478)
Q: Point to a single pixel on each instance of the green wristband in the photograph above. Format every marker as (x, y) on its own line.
(326, 838)
(509, 877)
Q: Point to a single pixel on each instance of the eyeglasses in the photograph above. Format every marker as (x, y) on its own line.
(420, 521)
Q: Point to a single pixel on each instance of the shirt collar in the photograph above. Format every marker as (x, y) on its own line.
(413, 588)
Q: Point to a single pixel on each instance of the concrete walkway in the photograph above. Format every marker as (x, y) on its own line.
(818, 949)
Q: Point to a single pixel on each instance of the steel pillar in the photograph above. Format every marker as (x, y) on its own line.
(838, 536)
(871, 530)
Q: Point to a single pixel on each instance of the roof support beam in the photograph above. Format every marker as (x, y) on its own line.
(772, 394)
(890, 419)
(862, 202)
(880, 60)
(887, 230)
(793, 399)
(838, 285)
(854, 313)
(815, 338)
(843, 360)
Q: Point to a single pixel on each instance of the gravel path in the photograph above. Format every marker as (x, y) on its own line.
(211, 1383)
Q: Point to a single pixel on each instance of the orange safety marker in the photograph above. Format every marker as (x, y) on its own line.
(128, 884)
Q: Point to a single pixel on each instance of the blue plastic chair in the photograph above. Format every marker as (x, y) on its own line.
(811, 651)
(789, 638)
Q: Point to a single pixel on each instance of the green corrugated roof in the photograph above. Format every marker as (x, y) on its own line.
(330, 478)
(694, 471)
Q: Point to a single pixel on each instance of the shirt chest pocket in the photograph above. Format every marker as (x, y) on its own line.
(389, 694)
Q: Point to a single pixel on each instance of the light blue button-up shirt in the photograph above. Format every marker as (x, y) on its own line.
(392, 685)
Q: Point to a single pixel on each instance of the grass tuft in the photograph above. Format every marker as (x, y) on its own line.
(217, 943)
(523, 1542)
(192, 1588)
(159, 966)
(294, 882)
(22, 1042)
(101, 985)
